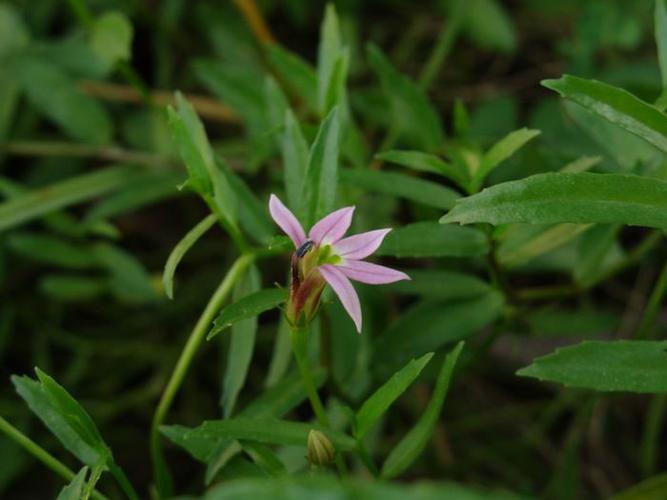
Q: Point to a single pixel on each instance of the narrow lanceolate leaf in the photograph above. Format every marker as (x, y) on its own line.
(425, 162)
(378, 403)
(428, 239)
(400, 185)
(241, 346)
(328, 54)
(499, 152)
(295, 159)
(440, 284)
(619, 365)
(64, 417)
(411, 446)
(181, 249)
(261, 430)
(661, 37)
(247, 307)
(320, 186)
(74, 489)
(412, 112)
(297, 74)
(43, 201)
(616, 105)
(51, 250)
(568, 197)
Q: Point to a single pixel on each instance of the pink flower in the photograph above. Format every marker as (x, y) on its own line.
(326, 255)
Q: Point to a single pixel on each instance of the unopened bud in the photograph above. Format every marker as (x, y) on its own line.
(320, 450)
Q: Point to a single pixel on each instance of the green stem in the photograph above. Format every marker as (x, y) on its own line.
(299, 337)
(123, 482)
(41, 454)
(653, 306)
(655, 415)
(366, 459)
(162, 478)
(442, 47)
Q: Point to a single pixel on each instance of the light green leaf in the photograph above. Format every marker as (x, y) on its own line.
(425, 162)
(74, 489)
(298, 75)
(594, 251)
(253, 216)
(281, 356)
(181, 249)
(111, 38)
(57, 96)
(652, 488)
(241, 346)
(568, 197)
(619, 365)
(400, 185)
(615, 105)
(201, 440)
(320, 186)
(32, 204)
(411, 446)
(64, 417)
(413, 114)
(661, 38)
(247, 307)
(295, 159)
(328, 56)
(429, 239)
(581, 164)
(13, 32)
(499, 152)
(378, 403)
(51, 250)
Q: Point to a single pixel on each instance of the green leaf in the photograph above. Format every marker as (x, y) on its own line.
(64, 417)
(111, 38)
(42, 201)
(320, 186)
(181, 249)
(652, 488)
(661, 38)
(581, 164)
(413, 114)
(144, 191)
(207, 176)
(378, 403)
(524, 243)
(241, 346)
(201, 440)
(295, 159)
(425, 162)
(74, 489)
(298, 75)
(247, 307)
(58, 97)
(430, 325)
(489, 25)
(51, 250)
(72, 288)
(429, 239)
(13, 32)
(253, 217)
(568, 197)
(615, 105)
(411, 446)
(400, 185)
(328, 55)
(128, 279)
(619, 365)
(594, 251)
(499, 152)
(438, 284)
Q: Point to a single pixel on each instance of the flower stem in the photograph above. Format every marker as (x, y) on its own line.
(299, 337)
(41, 454)
(162, 477)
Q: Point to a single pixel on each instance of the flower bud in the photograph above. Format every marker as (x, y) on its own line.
(320, 450)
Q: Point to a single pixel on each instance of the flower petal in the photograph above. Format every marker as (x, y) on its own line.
(345, 291)
(373, 274)
(360, 245)
(286, 220)
(331, 228)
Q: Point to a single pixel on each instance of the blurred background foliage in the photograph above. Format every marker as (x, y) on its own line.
(87, 159)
